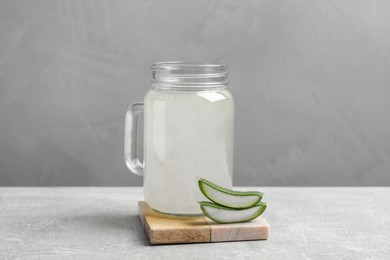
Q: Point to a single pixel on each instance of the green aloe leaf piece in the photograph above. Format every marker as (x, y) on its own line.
(229, 198)
(225, 215)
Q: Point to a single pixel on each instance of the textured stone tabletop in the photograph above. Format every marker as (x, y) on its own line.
(102, 223)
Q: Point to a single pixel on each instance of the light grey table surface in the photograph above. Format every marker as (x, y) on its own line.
(102, 223)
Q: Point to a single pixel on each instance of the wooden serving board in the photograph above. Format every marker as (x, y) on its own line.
(166, 229)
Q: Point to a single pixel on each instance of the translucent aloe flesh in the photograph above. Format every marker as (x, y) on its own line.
(229, 198)
(226, 215)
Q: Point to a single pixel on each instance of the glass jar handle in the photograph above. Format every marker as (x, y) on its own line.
(131, 138)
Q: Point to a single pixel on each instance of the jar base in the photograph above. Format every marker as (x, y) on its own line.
(186, 215)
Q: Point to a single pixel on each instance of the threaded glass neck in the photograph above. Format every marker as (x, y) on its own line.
(177, 75)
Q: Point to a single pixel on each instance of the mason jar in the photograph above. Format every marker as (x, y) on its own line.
(188, 134)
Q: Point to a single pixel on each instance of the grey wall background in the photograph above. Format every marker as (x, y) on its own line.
(311, 80)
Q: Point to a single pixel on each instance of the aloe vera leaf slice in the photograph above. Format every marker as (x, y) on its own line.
(229, 198)
(226, 215)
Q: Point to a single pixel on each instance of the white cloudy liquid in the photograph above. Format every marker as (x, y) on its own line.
(188, 135)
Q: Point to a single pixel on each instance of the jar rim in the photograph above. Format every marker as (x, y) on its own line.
(172, 64)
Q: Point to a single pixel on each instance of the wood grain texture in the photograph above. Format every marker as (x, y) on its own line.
(167, 229)
(256, 229)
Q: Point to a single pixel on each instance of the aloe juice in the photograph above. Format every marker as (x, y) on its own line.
(188, 135)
